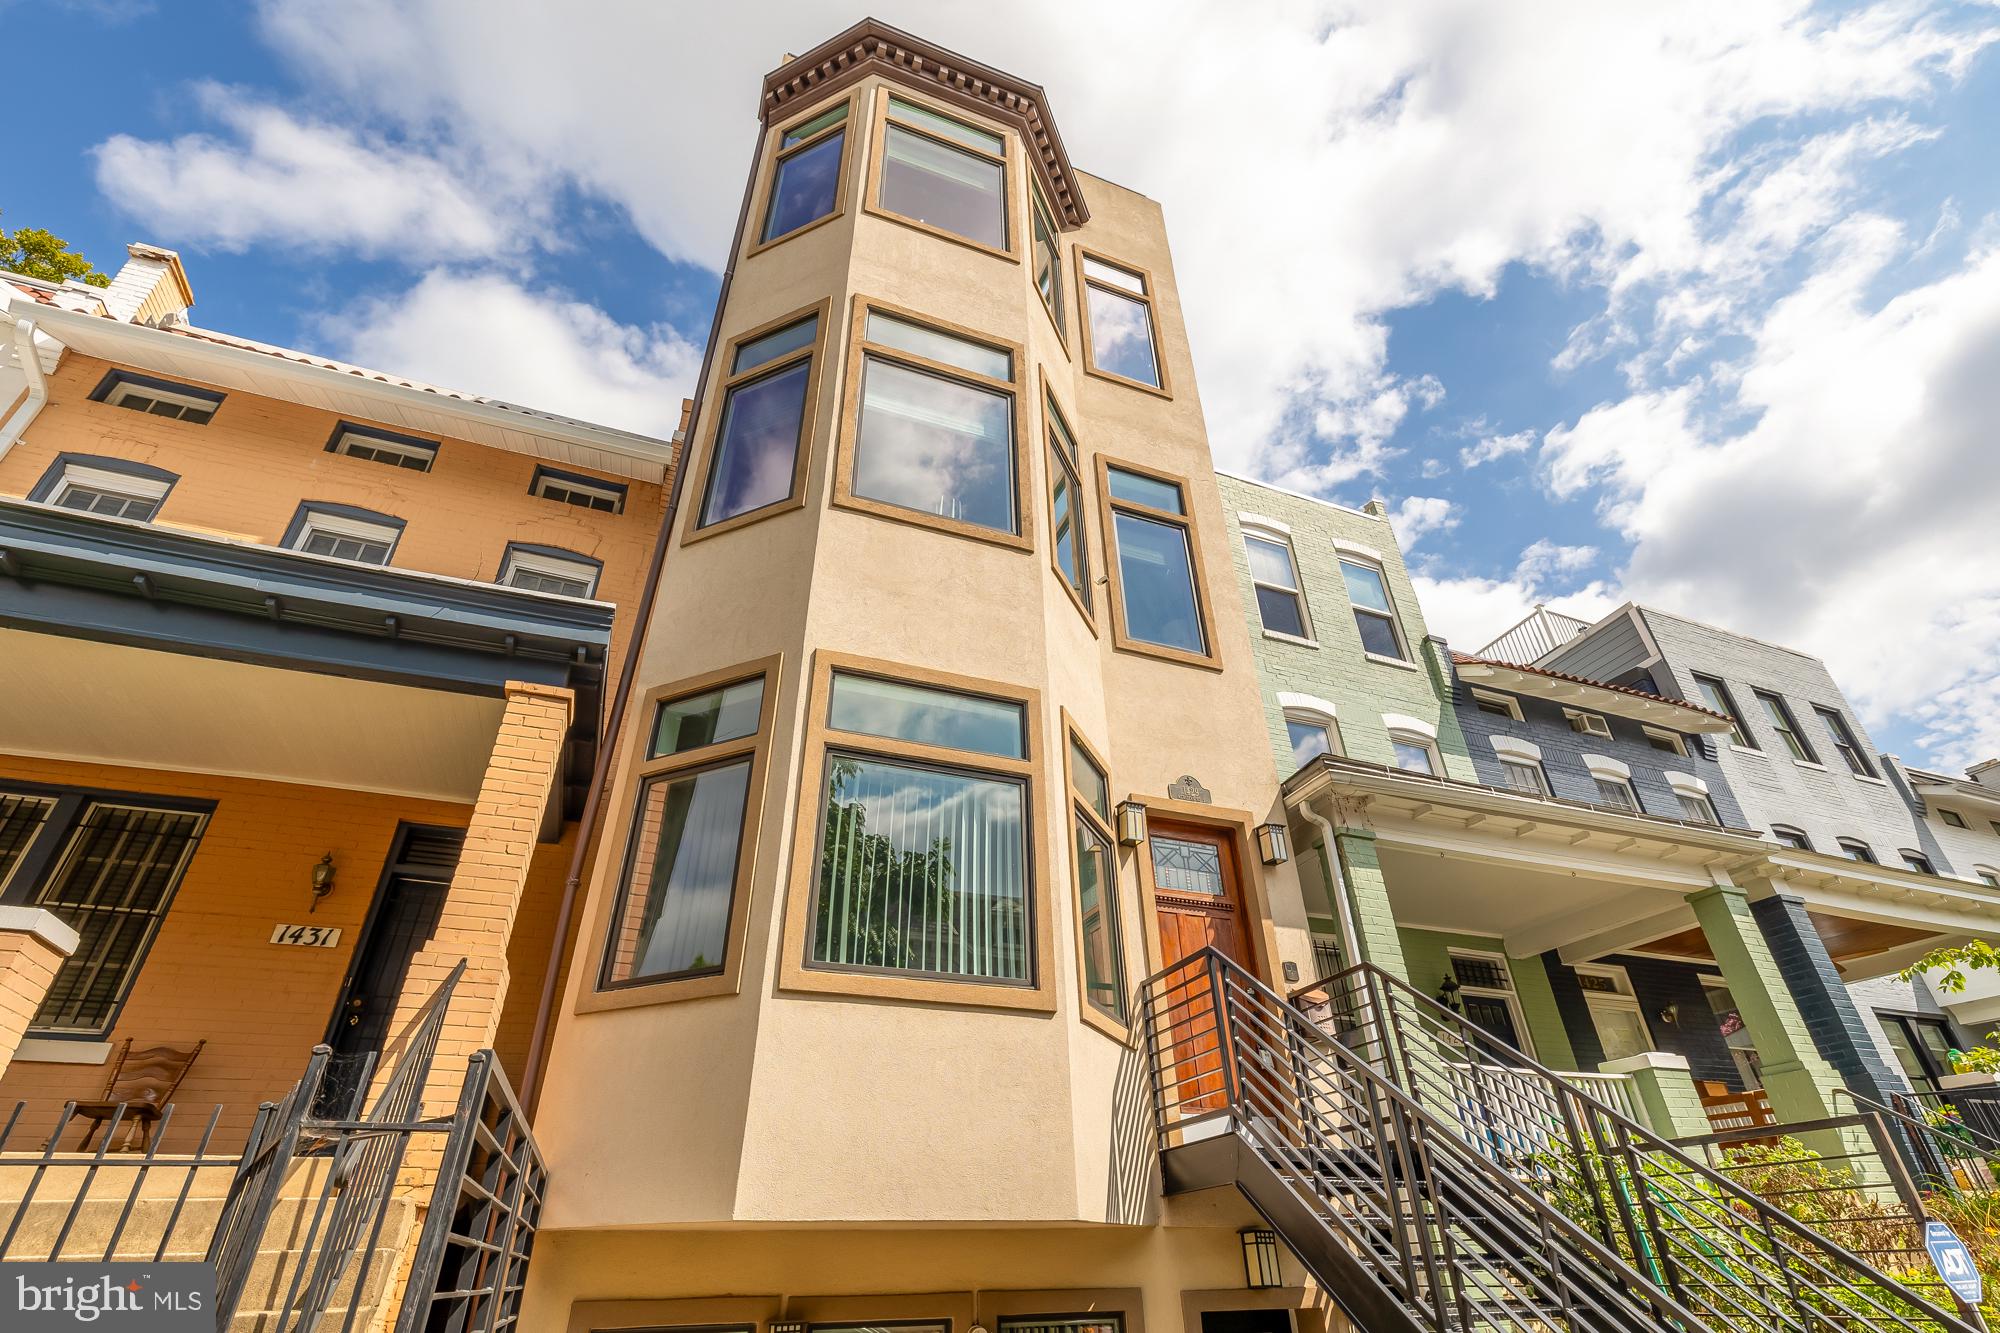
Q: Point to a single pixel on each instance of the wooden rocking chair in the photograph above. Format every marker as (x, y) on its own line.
(143, 1082)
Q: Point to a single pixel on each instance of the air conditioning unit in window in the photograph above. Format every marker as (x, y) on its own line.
(1590, 724)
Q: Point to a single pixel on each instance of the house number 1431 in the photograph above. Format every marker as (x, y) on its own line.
(311, 937)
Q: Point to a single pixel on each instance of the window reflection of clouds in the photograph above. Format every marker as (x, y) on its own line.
(1121, 336)
(935, 445)
(928, 717)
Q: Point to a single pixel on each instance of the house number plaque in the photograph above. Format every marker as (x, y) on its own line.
(309, 937)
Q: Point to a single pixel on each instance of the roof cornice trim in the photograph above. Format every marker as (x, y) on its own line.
(872, 47)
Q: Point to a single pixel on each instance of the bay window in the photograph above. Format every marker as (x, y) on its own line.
(925, 868)
(757, 462)
(933, 440)
(1048, 260)
(678, 915)
(1100, 925)
(943, 174)
(1069, 543)
(805, 179)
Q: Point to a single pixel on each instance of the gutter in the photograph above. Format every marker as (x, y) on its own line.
(37, 397)
(1350, 942)
(600, 774)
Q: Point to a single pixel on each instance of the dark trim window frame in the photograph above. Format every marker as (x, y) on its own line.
(375, 445)
(1795, 838)
(48, 859)
(1844, 741)
(1856, 850)
(803, 146)
(170, 399)
(1916, 860)
(1147, 515)
(114, 487)
(1779, 714)
(340, 528)
(767, 372)
(1715, 694)
(574, 488)
(1045, 253)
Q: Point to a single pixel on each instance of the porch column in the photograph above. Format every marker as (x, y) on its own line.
(1822, 997)
(1663, 1090)
(477, 916)
(1360, 877)
(33, 944)
(1798, 1082)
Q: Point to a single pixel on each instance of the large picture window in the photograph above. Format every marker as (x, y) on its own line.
(107, 866)
(1120, 338)
(806, 178)
(680, 905)
(1157, 591)
(943, 174)
(917, 870)
(934, 439)
(757, 463)
(1069, 542)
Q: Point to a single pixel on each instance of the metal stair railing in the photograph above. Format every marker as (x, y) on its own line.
(1734, 1257)
(1475, 1186)
(1944, 1146)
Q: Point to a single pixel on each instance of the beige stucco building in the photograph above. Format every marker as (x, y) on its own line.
(949, 606)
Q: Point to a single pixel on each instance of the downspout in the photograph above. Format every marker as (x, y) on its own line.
(38, 384)
(1330, 853)
(600, 774)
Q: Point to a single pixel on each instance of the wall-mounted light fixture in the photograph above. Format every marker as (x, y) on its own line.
(1671, 1015)
(1260, 1259)
(1448, 995)
(322, 880)
(1131, 823)
(1273, 845)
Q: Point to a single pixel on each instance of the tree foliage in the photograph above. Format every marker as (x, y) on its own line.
(1954, 962)
(37, 253)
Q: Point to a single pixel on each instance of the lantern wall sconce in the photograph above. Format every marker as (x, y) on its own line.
(1273, 844)
(1131, 823)
(322, 880)
(1448, 995)
(1260, 1259)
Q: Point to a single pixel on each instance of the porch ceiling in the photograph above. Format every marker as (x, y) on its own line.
(69, 698)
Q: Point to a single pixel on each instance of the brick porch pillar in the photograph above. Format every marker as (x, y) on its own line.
(1368, 898)
(33, 944)
(478, 912)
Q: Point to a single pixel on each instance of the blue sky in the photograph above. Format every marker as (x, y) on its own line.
(1696, 304)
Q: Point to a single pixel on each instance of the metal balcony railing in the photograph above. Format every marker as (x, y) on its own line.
(1437, 1179)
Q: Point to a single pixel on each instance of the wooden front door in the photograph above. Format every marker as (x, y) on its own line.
(1198, 897)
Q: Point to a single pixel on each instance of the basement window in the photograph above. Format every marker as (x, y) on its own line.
(382, 446)
(159, 398)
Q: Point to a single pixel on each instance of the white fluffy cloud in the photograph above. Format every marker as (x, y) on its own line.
(488, 334)
(304, 183)
(1419, 514)
(1489, 447)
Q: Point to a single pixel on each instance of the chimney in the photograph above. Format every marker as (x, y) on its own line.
(1986, 774)
(152, 287)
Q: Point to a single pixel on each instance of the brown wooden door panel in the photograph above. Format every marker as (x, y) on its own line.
(1198, 898)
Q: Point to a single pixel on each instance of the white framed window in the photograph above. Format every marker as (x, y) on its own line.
(1987, 875)
(1414, 753)
(1856, 850)
(1916, 861)
(1374, 613)
(365, 541)
(1952, 817)
(1587, 724)
(1614, 783)
(1666, 742)
(158, 398)
(1697, 807)
(382, 446)
(1499, 705)
(1311, 736)
(1524, 776)
(1281, 605)
(549, 571)
(115, 494)
(584, 492)
(1792, 837)
(1614, 1010)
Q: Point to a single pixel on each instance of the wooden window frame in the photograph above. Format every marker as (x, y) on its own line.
(596, 994)
(794, 972)
(1676, 743)
(1107, 511)
(1052, 411)
(1149, 298)
(1081, 809)
(767, 181)
(1507, 702)
(711, 431)
(879, 121)
(848, 439)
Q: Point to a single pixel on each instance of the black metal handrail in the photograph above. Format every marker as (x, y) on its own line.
(471, 1260)
(1504, 1187)
(1942, 1133)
